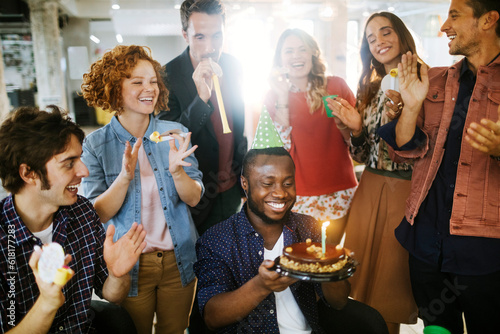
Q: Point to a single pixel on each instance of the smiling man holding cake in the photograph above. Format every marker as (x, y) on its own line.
(238, 290)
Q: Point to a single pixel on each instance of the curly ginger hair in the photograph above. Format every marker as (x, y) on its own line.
(102, 86)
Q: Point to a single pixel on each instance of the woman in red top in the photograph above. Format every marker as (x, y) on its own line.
(325, 178)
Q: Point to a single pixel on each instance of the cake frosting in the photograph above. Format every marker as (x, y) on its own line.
(308, 257)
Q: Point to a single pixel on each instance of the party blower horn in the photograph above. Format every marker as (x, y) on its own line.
(215, 77)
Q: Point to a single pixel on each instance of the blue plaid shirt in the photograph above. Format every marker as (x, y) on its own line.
(229, 255)
(78, 229)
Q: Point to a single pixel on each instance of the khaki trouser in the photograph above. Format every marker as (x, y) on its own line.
(160, 292)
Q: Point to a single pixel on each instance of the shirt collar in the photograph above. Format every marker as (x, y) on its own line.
(465, 72)
(244, 226)
(23, 234)
(123, 135)
(465, 64)
(493, 60)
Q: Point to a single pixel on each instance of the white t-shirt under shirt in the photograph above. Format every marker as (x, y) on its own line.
(46, 235)
(290, 317)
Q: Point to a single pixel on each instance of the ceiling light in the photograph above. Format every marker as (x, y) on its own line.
(115, 6)
(119, 38)
(95, 39)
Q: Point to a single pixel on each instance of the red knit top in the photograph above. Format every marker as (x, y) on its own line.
(322, 161)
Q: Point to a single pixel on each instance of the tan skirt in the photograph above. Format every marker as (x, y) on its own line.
(382, 279)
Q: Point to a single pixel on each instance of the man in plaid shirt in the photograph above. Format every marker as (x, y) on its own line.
(40, 166)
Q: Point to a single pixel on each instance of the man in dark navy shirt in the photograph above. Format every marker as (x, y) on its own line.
(237, 289)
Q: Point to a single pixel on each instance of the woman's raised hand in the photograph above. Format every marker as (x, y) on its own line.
(346, 113)
(413, 90)
(129, 160)
(177, 155)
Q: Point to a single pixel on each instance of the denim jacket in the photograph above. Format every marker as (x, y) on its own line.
(102, 154)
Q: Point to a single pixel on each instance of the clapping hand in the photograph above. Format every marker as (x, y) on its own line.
(176, 155)
(485, 136)
(129, 160)
(346, 113)
(413, 90)
(121, 256)
(279, 83)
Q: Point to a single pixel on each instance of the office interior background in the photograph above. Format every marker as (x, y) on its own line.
(47, 45)
(87, 28)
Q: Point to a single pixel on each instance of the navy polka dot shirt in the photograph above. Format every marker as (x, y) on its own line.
(229, 255)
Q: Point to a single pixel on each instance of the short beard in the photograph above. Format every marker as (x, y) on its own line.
(253, 207)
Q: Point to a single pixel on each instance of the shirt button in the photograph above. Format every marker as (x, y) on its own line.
(161, 189)
(159, 254)
(271, 311)
(149, 153)
(34, 239)
(155, 169)
(452, 186)
(256, 234)
(164, 208)
(61, 328)
(260, 252)
(179, 263)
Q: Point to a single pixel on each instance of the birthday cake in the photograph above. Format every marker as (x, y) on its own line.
(308, 257)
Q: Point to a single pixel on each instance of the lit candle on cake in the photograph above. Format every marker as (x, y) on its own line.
(323, 236)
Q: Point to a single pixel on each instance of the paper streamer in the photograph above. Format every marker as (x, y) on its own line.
(222, 111)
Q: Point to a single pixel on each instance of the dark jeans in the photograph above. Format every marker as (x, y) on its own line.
(354, 318)
(110, 318)
(443, 297)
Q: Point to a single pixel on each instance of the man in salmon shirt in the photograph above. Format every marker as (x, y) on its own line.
(450, 126)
